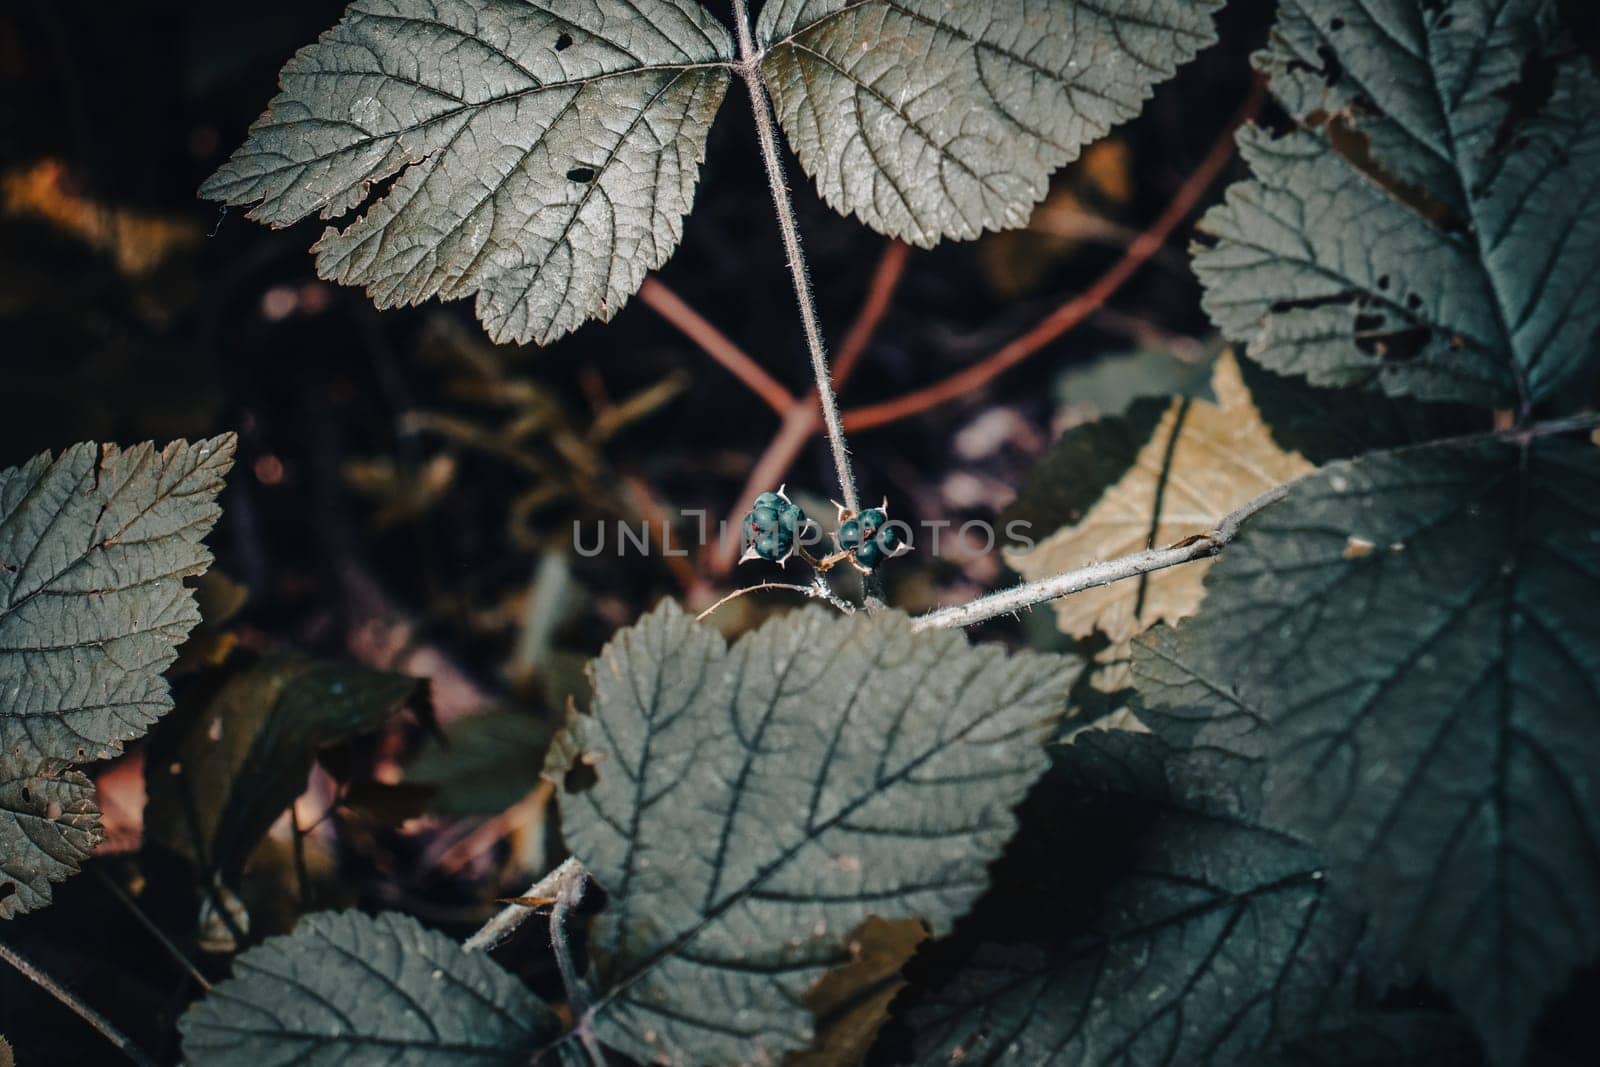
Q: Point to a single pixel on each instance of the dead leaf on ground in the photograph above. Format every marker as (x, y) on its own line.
(1202, 461)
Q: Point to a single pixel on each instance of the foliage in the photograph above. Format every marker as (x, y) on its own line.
(346, 986)
(1304, 774)
(547, 151)
(94, 547)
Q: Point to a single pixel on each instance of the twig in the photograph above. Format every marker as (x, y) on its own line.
(715, 344)
(151, 928)
(805, 417)
(1077, 309)
(32, 973)
(505, 922)
(568, 894)
(1028, 594)
(803, 590)
(749, 69)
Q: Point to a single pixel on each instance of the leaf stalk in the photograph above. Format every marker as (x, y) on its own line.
(749, 69)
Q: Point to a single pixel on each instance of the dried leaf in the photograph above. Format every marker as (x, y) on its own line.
(1202, 461)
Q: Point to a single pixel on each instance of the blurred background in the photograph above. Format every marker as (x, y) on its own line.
(406, 492)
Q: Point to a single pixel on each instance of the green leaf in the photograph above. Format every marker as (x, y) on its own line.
(49, 824)
(1430, 240)
(1405, 656)
(1329, 424)
(929, 119)
(755, 804)
(349, 988)
(1109, 385)
(1071, 477)
(546, 150)
(94, 547)
(219, 780)
(1215, 940)
(485, 764)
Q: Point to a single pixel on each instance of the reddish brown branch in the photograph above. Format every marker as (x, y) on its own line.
(1077, 309)
(715, 343)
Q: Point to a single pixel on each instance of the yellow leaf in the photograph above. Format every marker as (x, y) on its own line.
(1203, 460)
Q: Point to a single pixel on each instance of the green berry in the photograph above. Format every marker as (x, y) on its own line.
(849, 534)
(869, 555)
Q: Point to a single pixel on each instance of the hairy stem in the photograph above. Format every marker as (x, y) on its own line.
(32, 973)
(749, 69)
(505, 922)
(1028, 594)
(568, 894)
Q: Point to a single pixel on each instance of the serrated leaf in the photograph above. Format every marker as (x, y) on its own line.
(931, 119)
(1329, 424)
(1448, 253)
(547, 150)
(218, 781)
(755, 804)
(94, 548)
(1406, 651)
(346, 987)
(49, 824)
(1202, 460)
(1217, 940)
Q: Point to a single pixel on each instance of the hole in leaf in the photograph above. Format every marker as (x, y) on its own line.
(7, 889)
(1396, 346)
(1413, 301)
(563, 42)
(580, 174)
(1383, 282)
(1332, 69)
(1526, 96)
(1336, 25)
(581, 775)
(1309, 303)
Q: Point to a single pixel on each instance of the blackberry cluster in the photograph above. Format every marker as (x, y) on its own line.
(869, 538)
(772, 527)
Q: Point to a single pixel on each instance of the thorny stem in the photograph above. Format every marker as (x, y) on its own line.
(1028, 594)
(804, 415)
(32, 973)
(749, 69)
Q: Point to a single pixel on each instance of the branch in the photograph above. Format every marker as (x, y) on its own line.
(32, 973)
(1076, 310)
(749, 69)
(804, 417)
(715, 343)
(504, 922)
(1027, 594)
